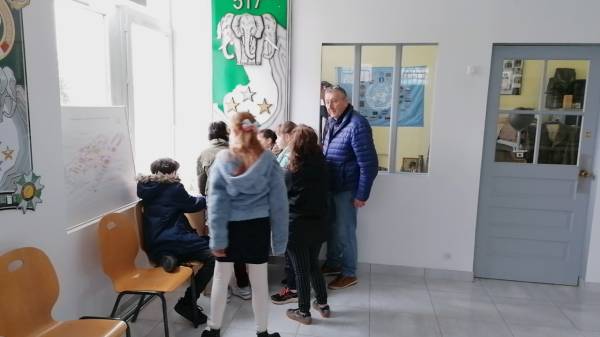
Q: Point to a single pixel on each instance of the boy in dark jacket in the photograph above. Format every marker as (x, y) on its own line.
(168, 236)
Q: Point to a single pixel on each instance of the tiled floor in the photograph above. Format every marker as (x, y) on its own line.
(399, 302)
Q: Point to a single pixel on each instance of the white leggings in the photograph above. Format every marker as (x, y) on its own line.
(260, 295)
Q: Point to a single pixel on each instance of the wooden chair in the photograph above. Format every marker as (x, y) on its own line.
(29, 289)
(119, 246)
(195, 222)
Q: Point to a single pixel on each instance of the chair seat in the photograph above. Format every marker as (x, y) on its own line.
(195, 265)
(152, 279)
(91, 327)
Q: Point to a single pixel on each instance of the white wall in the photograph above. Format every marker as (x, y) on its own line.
(423, 221)
(75, 257)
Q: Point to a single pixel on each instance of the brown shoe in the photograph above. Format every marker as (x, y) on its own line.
(342, 282)
(328, 271)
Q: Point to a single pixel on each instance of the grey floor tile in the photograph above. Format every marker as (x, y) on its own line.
(278, 321)
(248, 333)
(388, 297)
(498, 288)
(142, 327)
(355, 296)
(587, 294)
(347, 322)
(388, 323)
(526, 312)
(585, 317)
(400, 281)
(448, 306)
(536, 331)
(465, 328)
(398, 270)
(452, 286)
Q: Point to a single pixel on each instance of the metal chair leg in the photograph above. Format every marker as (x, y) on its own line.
(116, 306)
(194, 305)
(164, 308)
(138, 308)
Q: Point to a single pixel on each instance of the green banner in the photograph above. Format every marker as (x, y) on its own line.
(250, 57)
(17, 186)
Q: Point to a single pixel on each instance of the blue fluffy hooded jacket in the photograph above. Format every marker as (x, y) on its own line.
(350, 154)
(166, 229)
(259, 192)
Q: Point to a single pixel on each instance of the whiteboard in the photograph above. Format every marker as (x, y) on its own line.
(98, 162)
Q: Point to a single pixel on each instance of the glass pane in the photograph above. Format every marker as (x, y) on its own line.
(82, 48)
(375, 95)
(565, 84)
(559, 139)
(414, 111)
(515, 139)
(337, 63)
(521, 81)
(152, 96)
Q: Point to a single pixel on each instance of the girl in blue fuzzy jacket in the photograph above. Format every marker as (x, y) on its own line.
(248, 213)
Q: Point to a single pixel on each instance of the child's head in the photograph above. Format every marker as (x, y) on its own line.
(244, 128)
(267, 138)
(164, 166)
(303, 144)
(284, 133)
(218, 130)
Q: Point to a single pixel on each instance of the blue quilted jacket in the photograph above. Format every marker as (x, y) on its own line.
(350, 154)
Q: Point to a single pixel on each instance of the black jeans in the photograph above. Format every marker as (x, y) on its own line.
(304, 259)
(204, 275)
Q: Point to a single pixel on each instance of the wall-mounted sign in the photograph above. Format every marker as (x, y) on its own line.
(251, 58)
(19, 187)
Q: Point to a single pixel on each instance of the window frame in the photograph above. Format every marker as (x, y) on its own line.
(396, 81)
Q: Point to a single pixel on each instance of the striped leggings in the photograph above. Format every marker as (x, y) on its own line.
(306, 266)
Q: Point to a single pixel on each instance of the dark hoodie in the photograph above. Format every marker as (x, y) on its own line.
(166, 229)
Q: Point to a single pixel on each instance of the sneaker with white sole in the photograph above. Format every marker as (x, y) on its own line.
(244, 293)
(285, 295)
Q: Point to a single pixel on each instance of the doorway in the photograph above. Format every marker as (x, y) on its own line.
(541, 122)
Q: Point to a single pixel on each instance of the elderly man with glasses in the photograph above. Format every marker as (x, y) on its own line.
(352, 160)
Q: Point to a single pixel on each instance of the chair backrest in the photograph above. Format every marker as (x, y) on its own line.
(118, 244)
(138, 213)
(28, 291)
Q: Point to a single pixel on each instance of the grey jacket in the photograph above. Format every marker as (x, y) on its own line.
(205, 161)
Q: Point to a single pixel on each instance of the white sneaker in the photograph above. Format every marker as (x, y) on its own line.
(244, 293)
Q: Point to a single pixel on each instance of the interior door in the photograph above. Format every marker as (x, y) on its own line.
(540, 131)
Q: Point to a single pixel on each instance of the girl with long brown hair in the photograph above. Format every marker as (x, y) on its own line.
(307, 184)
(247, 206)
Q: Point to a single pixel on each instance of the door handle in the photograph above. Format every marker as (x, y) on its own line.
(586, 174)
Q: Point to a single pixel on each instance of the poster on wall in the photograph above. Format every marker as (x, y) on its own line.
(250, 58)
(19, 186)
(375, 94)
(512, 76)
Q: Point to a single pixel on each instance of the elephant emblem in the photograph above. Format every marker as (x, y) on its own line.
(253, 37)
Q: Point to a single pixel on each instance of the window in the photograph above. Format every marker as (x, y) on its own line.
(130, 40)
(394, 93)
(542, 105)
(83, 55)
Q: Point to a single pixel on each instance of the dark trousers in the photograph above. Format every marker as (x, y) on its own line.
(241, 274)
(304, 259)
(290, 275)
(203, 276)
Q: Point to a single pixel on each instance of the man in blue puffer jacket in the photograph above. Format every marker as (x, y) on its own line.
(352, 161)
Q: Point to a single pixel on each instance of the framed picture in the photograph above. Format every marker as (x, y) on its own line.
(512, 75)
(410, 164)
